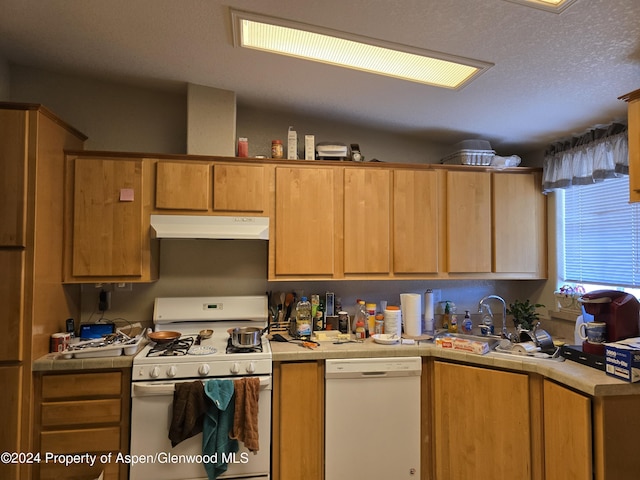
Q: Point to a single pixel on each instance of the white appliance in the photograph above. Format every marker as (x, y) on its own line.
(158, 367)
(372, 418)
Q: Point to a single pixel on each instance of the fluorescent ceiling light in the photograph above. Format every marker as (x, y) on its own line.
(556, 6)
(274, 35)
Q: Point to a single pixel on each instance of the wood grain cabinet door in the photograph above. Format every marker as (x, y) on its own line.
(305, 226)
(415, 221)
(13, 177)
(182, 186)
(239, 188)
(469, 222)
(367, 205)
(107, 217)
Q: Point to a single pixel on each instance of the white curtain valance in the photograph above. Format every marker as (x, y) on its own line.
(593, 157)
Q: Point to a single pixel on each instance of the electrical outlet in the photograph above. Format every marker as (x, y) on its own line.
(104, 301)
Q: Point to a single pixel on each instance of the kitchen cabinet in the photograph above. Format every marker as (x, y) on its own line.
(298, 421)
(207, 187)
(468, 196)
(416, 221)
(305, 226)
(481, 421)
(567, 433)
(633, 124)
(108, 217)
(33, 301)
(367, 205)
(519, 225)
(82, 413)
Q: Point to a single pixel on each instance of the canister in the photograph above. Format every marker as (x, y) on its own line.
(277, 150)
(59, 342)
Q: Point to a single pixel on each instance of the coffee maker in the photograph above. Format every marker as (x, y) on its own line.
(619, 310)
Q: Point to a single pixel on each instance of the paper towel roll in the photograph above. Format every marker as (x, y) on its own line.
(411, 304)
(429, 312)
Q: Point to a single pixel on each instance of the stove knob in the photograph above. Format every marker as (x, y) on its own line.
(204, 369)
(155, 372)
(235, 368)
(251, 368)
(171, 371)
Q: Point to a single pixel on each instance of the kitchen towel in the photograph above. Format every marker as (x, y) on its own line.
(189, 407)
(217, 425)
(245, 419)
(411, 304)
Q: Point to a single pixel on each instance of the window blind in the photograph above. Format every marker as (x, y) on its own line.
(601, 235)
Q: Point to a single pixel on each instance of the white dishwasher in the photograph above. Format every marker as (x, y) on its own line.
(372, 418)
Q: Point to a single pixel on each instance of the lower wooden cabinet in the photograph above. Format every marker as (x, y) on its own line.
(481, 423)
(297, 450)
(82, 413)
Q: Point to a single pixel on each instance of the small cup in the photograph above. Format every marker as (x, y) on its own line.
(593, 332)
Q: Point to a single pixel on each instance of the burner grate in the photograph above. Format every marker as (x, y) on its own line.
(178, 347)
(232, 349)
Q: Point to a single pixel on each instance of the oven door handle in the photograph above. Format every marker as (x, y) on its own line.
(156, 389)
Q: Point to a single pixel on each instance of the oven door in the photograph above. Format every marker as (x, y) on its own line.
(152, 456)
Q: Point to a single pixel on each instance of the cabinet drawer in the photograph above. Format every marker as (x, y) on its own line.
(82, 412)
(81, 385)
(50, 471)
(105, 439)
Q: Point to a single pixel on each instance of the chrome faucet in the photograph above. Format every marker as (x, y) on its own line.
(482, 302)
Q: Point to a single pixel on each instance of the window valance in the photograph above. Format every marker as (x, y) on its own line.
(593, 157)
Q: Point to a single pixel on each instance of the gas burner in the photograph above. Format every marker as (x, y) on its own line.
(233, 349)
(176, 348)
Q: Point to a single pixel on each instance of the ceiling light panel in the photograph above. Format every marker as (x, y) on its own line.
(283, 37)
(555, 6)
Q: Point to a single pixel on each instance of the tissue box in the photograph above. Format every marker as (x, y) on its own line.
(622, 359)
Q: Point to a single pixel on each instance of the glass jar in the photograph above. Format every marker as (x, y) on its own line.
(277, 150)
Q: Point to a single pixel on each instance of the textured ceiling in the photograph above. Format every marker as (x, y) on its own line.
(553, 75)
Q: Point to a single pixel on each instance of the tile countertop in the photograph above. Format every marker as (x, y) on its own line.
(580, 377)
(54, 362)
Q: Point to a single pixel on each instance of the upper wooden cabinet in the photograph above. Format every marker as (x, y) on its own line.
(416, 222)
(367, 204)
(205, 187)
(108, 215)
(633, 116)
(468, 222)
(519, 225)
(304, 226)
(182, 186)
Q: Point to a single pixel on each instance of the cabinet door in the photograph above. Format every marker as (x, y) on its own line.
(481, 423)
(415, 221)
(633, 117)
(469, 222)
(239, 188)
(13, 177)
(298, 421)
(182, 186)
(305, 226)
(567, 433)
(367, 203)
(519, 235)
(11, 308)
(11, 381)
(107, 217)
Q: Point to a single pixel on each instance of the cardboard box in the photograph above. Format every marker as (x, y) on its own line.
(622, 359)
(463, 344)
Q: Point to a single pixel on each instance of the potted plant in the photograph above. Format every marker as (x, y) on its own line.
(525, 316)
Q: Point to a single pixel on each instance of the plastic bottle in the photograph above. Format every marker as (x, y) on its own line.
(371, 318)
(361, 315)
(360, 330)
(453, 321)
(446, 318)
(467, 324)
(303, 319)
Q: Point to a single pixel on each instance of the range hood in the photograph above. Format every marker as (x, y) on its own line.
(209, 227)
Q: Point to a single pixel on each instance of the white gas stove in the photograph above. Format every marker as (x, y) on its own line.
(192, 357)
(158, 368)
